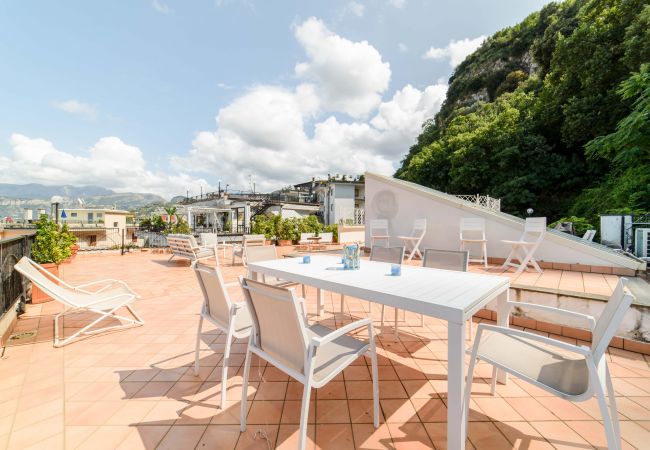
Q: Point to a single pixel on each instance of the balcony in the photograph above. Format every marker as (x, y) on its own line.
(136, 389)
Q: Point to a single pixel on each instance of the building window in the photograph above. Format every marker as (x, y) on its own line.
(114, 224)
(73, 214)
(91, 217)
(99, 215)
(92, 240)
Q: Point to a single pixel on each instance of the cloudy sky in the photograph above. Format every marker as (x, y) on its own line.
(167, 96)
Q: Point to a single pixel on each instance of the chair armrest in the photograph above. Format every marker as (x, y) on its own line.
(584, 319)
(318, 341)
(581, 350)
(232, 284)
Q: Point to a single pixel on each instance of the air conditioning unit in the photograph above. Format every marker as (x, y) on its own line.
(642, 242)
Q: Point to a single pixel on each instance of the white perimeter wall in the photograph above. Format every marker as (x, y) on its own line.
(402, 204)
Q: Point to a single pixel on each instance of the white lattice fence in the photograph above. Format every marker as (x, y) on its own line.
(484, 201)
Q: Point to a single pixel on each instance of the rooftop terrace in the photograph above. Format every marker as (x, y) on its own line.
(135, 388)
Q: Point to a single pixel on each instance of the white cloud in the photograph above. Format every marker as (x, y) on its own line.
(350, 76)
(354, 8)
(109, 163)
(263, 133)
(455, 51)
(77, 108)
(161, 7)
(397, 3)
(402, 47)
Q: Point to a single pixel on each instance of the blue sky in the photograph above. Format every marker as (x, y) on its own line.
(165, 96)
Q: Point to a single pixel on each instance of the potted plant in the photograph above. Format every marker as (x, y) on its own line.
(68, 242)
(48, 251)
(262, 225)
(286, 232)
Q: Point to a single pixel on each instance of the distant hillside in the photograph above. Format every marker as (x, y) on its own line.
(34, 190)
(552, 113)
(15, 198)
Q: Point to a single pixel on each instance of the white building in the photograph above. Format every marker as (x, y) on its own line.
(342, 201)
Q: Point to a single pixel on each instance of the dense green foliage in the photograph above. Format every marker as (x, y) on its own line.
(552, 114)
(274, 226)
(51, 245)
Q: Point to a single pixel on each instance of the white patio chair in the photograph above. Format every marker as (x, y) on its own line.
(267, 253)
(568, 371)
(524, 249)
(248, 240)
(185, 246)
(446, 260)
(229, 317)
(212, 240)
(589, 235)
(472, 231)
(412, 242)
(105, 301)
(379, 232)
(312, 355)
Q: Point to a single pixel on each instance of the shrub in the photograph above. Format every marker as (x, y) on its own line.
(47, 247)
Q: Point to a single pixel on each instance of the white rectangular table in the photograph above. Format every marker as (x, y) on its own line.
(448, 295)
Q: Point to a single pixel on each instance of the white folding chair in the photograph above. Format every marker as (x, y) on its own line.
(472, 232)
(379, 232)
(212, 240)
(568, 371)
(312, 355)
(589, 235)
(105, 301)
(524, 249)
(268, 253)
(231, 318)
(412, 242)
(248, 240)
(185, 246)
(446, 260)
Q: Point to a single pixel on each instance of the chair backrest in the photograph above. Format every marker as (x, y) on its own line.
(326, 238)
(210, 239)
(249, 240)
(445, 259)
(278, 325)
(258, 253)
(182, 244)
(305, 236)
(472, 228)
(610, 319)
(419, 228)
(589, 235)
(215, 296)
(47, 282)
(379, 227)
(534, 229)
(393, 255)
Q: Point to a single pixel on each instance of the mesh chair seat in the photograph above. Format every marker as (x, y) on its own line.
(566, 374)
(336, 354)
(243, 319)
(204, 253)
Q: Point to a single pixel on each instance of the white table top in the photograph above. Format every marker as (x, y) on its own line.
(449, 295)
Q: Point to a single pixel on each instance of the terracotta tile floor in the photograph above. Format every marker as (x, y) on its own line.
(135, 388)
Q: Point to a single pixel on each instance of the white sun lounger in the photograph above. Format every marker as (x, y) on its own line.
(105, 301)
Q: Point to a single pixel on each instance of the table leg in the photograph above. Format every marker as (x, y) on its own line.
(320, 304)
(503, 316)
(456, 431)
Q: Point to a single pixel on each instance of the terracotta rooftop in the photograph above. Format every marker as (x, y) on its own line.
(135, 388)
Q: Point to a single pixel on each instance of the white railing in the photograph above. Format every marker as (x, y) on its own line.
(484, 201)
(352, 216)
